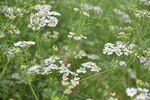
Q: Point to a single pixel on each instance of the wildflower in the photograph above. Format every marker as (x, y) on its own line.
(89, 99)
(131, 91)
(85, 14)
(24, 43)
(138, 93)
(87, 7)
(13, 29)
(76, 9)
(75, 81)
(15, 76)
(75, 36)
(10, 12)
(125, 17)
(64, 83)
(142, 13)
(109, 48)
(145, 2)
(24, 67)
(119, 48)
(44, 17)
(92, 66)
(34, 69)
(80, 54)
(122, 63)
(81, 70)
(131, 73)
(51, 60)
(142, 96)
(2, 35)
(67, 91)
(93, 56)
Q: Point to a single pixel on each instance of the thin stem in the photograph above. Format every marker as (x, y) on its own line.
(30, 85)
(4, 69)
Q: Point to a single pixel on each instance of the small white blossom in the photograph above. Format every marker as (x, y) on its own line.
(119, 48)
(44, 17)
(24, 43)
(131, 91)
(75, 36)
(34, 69)
(92, 66)
(87, 7)
(10, 12)
(124, 16)
(122, 63)
(81, 70)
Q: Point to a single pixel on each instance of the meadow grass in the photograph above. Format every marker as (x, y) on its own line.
(74, 50)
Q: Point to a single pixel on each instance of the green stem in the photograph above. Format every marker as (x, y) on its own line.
(4, 69)
(30, 85)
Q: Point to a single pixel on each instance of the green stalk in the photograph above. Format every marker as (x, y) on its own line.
(30, 85)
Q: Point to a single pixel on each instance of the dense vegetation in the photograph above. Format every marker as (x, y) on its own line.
(75, 50)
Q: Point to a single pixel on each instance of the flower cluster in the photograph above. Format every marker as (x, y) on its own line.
(92, 66)
(11, 51)
(13, 29)
(142, 13)
(122, 63)
(43, 17)
(145, 2)
(81, 53)
(138, 93)
(125, 17)
(145, 61)
(75, 36)
(53, 34)
(10, 12)
(90, 7)
(70, 79)
(119, 48)
(24, 43)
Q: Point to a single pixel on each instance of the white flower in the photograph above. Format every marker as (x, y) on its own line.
(34, 69)
(124, 16)
(142, 13)
(75, 36)
(80, 54)
(144, 90)
(24, 43)
(131, 73)
(39, 7)
(51, 60)
(142, 96)
(24, 67)
(44, 17)
(75, 81)
(85, 14)
(89, 99)
(76, 9)
(81, 70)
(131, 91)
(122, 63)
(108, 48)
(93, 56)
(10, 12)
(119, 48)
(145, 2)
(92, 66)
(64, 83)
(87, 7)
(15, 76)
(13, 29)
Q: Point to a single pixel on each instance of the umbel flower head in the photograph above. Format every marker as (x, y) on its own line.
(44, 17)
(24, 43)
